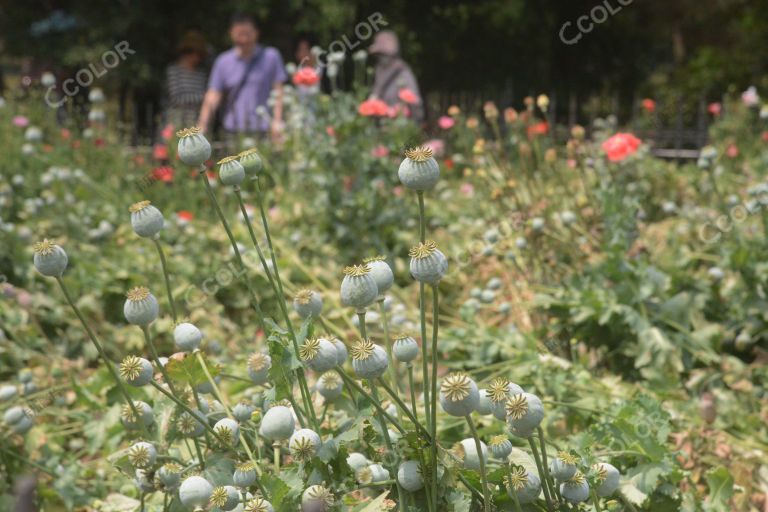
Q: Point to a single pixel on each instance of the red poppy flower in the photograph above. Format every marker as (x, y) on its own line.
(167, 132)
(649, 105)
(408, 96)
(536, 129)
(305, 76)
(160, 152)
(373, 108)
(715, 108)
(184, 216)
(163, 173)
(620, 146)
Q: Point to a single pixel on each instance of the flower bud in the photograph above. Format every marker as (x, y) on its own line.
(49, 259)
(146, 220)
(194, 149)
(141, 307)
(231, 172)
(419, 170)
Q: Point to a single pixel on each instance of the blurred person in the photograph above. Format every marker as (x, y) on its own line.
(302, 50)
(186, 81)
(241, 82)
(394, 82)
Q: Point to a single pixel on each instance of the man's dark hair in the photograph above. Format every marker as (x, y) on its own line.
(241, 17)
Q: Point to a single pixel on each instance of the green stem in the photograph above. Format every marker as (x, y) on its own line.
(550, 480)
(545, 485)
(276, 457)
(422, 218)
(199, 452)
(596, 501)
(388, 444)
(424, 355)
(483, 474)
(166, 275)
(391, 392)
(388, 344)
(512, 491)
(433, 392)
(156, 357)
(27, 461)
(357, 387)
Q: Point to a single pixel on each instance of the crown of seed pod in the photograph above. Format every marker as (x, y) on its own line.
(358, 288)
(142, 455)
(372, 473)
(193, 149)
(316, 498)
(49, 259)
(524, 413)
(187, 337)
(405, 348)
(195, 491)
(259, 365)
(169, 476)
(428, 263)
(500, 446)
(419, 170)
(459, 395)
(244, 475)
(563, 466)
(259, 504)
(231, 171)
(131, 422)
(466, 451)
(225, 498)
(308, 303)
(251, 161)
(524, 484)
(369, 361)
(319, 354)
(136, 371)
(499, 390)
(304, 444)
(575, 490)
(409, 476)
(228, 430)
(189, 425)
(381, 272)
(141, 307)
(330, 385)
(607, 478)
(146, 220)
(278, 423)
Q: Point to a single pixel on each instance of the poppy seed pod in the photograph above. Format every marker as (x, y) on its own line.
(608, 479)
(49, 259)
(195, 491)
(146, 220)
(358, 288)
(169, 475)
(459, 395)
(467, 452)
(381, 272)
(372, 473)
(142, 455)
(318, 354)
(499, 390)
(228, 429)
(525, 484)
(141, 307)
(341, 351)
(193, 149)
(316, 498)
(428, 264)
(564, 466)
(13, 415)
(191, 426)
(575, 490)
(129, 419)
(278, 423)
(242, 411)
(244, 475)
(369, 361)
(225, 498)
(524, 413)
(251, 161)
(419, 170)
(259, 365)
(308, 303)
(143, 482)
(23, 425)
(409, 476)
(405, 348)
(304, 444)
(357, 461)
(7, 392)
(330, 385)
(231, 172)
(187, 337)
(136, 371)
(484, 405)
(259, 504)
(500, 447)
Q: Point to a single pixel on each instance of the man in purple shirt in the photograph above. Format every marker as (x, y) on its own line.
(241, 82)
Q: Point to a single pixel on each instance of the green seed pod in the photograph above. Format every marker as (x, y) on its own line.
(608, 478)
(330, 386)
(318, 354)
(419, 170)
(146, 220)
(191, 426)
(49, 259)
(244, 475)
(259, 504)
(225, 498)
(575, 490)
(494, 283)
(459, 395)
(428, 264)
(499, 390)
(193, 149)
(341, 350)
(13, 415)
(381, 272)
(467, 452)
(304, 444)
(129, 419)
(372, 473)
(358, 288)
(316, 498)
(251, 161)
(357, 461)
(242, 411)
(524, 413)
(228, 429)
(537, 224)
(195, 491)
(278, 423)
(369, 361)
(563, 466)
(169, 475)
(484, 405)
(142, 455)
(501, 447)
(405, 348)
(231, 172)
(187, 337)
(136, 371)
(308, 303)
(8, 392)
(525, 484)
(259, 365)
(141, 307)
(409, 476)
(23, 425)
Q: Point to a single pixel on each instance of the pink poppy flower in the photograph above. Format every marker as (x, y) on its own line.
(306, 76)
(620, 146)
(445, 122)
(20, 121)
(408, 96)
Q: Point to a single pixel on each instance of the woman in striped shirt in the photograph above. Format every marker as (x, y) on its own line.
(186, 81)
